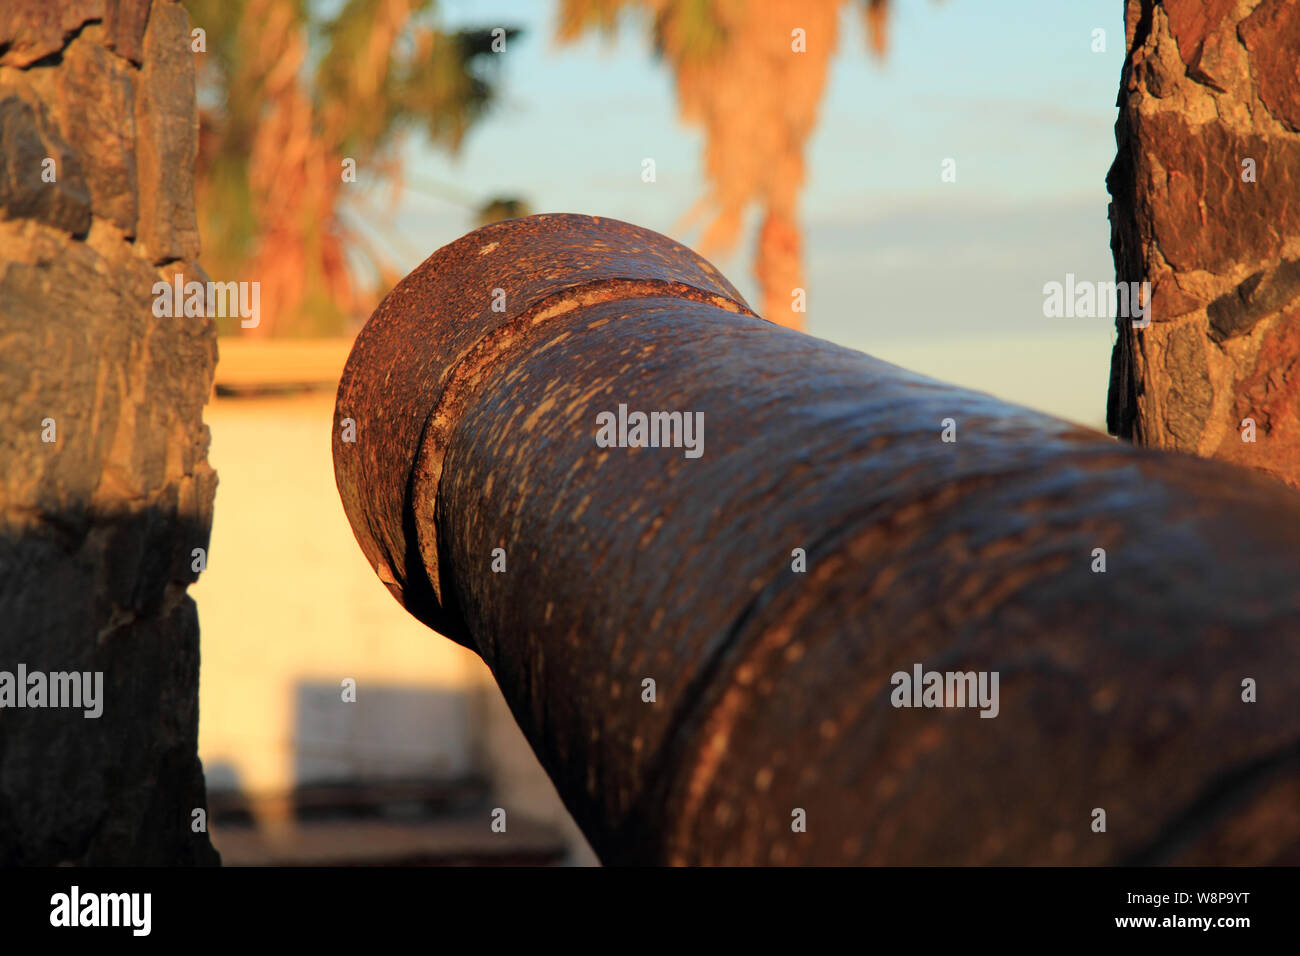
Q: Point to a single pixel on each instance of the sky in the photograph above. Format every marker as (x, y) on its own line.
(945, 278)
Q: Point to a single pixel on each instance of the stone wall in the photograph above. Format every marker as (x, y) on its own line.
(105, 488)
(1206, 206)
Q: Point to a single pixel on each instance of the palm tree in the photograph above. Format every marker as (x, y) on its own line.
(741, 75)
(294, 107)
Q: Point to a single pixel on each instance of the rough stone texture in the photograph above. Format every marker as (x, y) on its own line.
(167, 141)
(1208, 84)
(27, 141)
(95, 92)
(1272, 38)
(97, 527)
(124, 26)
(31, 30)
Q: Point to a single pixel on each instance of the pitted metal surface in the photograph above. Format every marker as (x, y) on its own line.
(1119, 690)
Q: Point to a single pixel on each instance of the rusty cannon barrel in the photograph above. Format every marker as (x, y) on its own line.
(756, 598)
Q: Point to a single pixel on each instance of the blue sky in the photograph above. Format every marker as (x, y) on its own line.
(945, 278)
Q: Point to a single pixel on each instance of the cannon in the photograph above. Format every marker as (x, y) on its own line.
(755, 598)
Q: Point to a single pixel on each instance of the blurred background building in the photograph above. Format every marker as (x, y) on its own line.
(299, 771)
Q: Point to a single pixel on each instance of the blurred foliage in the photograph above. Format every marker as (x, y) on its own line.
(293, 94)
(681, 30)
(502, 207)
(739, 75)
